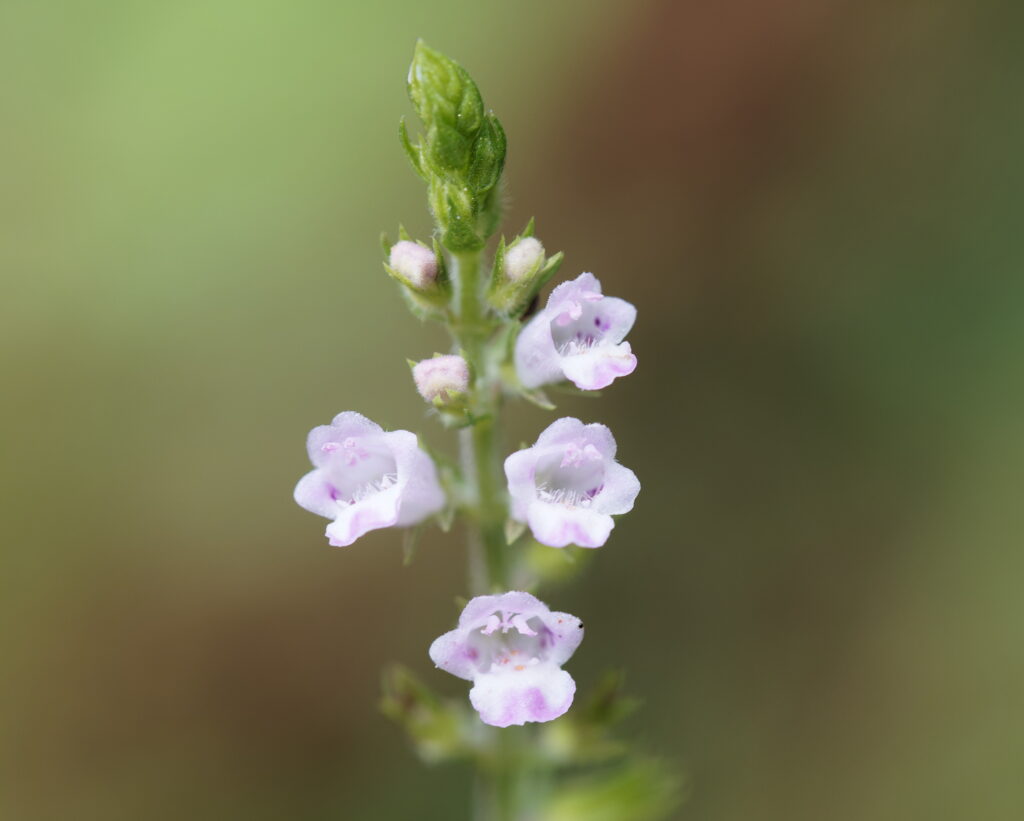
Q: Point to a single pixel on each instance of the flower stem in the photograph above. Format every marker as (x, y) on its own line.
(499, 770)
(480, 444)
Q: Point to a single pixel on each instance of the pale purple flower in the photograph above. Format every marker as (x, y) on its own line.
(414, 263)
(366, 478)
(578, 336)
(512, 648)
(442, 377)
(568, 485)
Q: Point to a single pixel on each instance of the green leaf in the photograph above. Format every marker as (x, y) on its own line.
(490, 211)
(447, 149)
(488, 157)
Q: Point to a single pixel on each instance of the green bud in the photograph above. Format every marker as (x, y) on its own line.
(442, 90)
(461, 153)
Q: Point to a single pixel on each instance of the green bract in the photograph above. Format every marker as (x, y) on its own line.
(461, 153)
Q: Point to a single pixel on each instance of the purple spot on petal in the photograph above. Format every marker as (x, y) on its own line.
(535, 701)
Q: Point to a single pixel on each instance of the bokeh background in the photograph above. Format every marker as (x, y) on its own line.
(816, 207)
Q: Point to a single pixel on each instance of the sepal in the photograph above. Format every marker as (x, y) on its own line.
(440, 729)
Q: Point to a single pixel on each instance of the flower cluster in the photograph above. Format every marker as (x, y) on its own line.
(565, 488)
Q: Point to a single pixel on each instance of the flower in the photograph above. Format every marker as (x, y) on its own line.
(414, 263)
(512, 647)
(366, 478)
(568, 485)
(578, 336)
(441, 378)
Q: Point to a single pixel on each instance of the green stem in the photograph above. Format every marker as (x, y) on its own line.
(499, 773)
(480, 444)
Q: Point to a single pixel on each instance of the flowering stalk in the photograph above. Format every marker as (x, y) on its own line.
(479, 445)
(561, 492)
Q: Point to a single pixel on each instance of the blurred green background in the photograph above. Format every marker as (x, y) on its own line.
(816, 207)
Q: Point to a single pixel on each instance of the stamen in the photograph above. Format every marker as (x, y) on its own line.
(519, 622)
(371, 488)
(566, 496)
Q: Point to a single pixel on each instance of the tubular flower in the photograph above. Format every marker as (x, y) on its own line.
(512, 647)
(365, 478)
(568, 485)
(578, 336)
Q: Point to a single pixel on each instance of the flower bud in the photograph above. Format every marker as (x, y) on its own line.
(414, 263)
(461, 152)
(441, 379)
(523, 259)
(520, 271)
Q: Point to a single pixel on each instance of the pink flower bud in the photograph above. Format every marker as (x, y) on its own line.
(523, 258)
(441, 377)
(414, 263)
